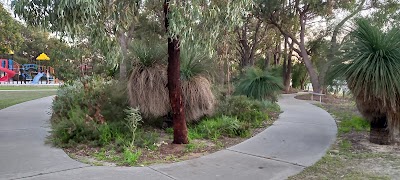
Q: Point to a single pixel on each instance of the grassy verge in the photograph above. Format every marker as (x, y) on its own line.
(11, 98)
(352, 156)
(28, 87)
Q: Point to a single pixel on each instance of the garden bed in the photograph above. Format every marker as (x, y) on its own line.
(163, 150)
(93, 123)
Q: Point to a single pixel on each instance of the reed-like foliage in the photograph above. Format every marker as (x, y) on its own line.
(371, 66)
(259, 84)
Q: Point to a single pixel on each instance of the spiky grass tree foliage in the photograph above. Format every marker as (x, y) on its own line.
(371, 66)
(196, 67)
(259, 84)
(147, 84)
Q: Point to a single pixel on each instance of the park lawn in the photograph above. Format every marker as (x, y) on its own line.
(352, 156)
(28, 88)
(9, 98)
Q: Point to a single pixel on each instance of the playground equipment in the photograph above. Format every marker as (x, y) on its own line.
(9, 68)
(37, 78)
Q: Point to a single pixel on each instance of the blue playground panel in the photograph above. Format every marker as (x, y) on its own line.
(30, 66)
(10, 64)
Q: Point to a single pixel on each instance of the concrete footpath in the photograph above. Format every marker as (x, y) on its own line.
(298, 139)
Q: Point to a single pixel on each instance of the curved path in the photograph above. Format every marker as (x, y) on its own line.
(299, 138)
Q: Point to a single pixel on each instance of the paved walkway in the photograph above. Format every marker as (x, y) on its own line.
(297, 139)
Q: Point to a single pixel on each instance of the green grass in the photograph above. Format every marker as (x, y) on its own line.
(36, 87)
(11, 98)
(216, 127)
(355, 123)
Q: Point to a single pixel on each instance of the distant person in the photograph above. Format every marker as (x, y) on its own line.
(48, 77)
(24, 77)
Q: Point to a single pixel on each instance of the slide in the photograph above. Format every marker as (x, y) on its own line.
(37, 78)
(9, 74)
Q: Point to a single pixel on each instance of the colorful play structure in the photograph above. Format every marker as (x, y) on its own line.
(11, 71)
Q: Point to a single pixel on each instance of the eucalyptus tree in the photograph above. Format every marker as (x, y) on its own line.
(199, 20)
(305, 13)
(384, 13)
(107, 24)
(250, 35)
(292, 18)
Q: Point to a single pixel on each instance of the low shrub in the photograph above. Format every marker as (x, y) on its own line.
(74, 129)
(219, 126)
(146, 139)
(94, 111)
(270, 106)
(131, 156)
(246, 109)
(103, 98)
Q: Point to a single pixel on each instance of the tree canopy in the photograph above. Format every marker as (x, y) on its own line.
(10, 32)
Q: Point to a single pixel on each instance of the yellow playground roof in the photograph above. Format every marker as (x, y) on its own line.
(43, 57)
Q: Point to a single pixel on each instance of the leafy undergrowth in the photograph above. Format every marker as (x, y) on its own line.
(153, 146)
(93, 123)
(352, 156)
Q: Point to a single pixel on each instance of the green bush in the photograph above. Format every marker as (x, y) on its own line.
(96, 94)
(270, 106)
(74, 129)
(246, 109)
(105, 134)
(219, 126)
(91, 110)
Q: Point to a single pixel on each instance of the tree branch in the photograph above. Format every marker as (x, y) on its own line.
(341, 23)
(283, 32)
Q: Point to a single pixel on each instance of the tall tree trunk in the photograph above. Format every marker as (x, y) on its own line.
(122, 65)
(306, 59)
(379, 133)
(284, 59)
(277, 53)
(174, 85)
(288, 75)
(266, 61)
(287, 65)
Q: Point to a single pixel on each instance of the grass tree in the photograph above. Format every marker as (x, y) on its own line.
(197, 67)
(371, 66)
(147, 82)
(260, 85)
(147, 85)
